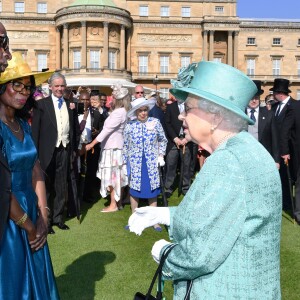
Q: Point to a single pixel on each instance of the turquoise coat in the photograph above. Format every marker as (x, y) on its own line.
(227, 228)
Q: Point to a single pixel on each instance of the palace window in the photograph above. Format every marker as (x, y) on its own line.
(250, 66)
(143, 63)
(218, 59)
(94, 59)
(19, 7)
(42, 61)
(164, 93)
(42, 8)
(276, 41)
(185, 61)
(185, 12)
(298, 68)
(144, 11)
(276, 67)
(164, 11)
(112, 59)
(219, 9)
(251, 41)
(0, 6)
(298, 95)
(76, 59)
(298, 42)
(164, 64)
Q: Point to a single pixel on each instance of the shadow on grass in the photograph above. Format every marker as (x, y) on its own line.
(81, 276)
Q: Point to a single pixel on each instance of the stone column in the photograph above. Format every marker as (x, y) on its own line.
(105, 44)
(229, 48)
(211, 45)
(66, 46)
(235, 50)
(58, 48)
(83, 45)
(204, 47)
(122, 46)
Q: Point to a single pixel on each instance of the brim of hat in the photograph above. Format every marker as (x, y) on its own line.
(280, 90)
(259, 93)
(182, 94)
(148, 103)
(39, 77)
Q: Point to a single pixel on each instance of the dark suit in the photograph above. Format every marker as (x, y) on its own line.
(92, 182)
(55, 161)
(173, 126)
(290, 144)
(286, 196)
(5, 192)
(268, 134)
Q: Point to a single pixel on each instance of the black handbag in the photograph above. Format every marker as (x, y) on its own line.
(158, 273)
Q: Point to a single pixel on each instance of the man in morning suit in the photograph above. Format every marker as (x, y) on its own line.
(177, 148)
(55, 138)
(5, 176)
(264, 129)
(290, 148)
(281, 94)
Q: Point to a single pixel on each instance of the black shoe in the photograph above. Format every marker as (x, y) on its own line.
(62, 226)
(50, 230)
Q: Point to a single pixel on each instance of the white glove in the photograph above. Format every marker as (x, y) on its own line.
(148, 216)
(160, 161)
(156, 249)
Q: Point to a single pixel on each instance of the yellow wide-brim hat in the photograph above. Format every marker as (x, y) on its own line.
(19, 68)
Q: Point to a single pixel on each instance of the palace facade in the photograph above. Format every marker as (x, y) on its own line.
(100, 42)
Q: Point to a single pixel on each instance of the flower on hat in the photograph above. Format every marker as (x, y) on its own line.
(185, 76)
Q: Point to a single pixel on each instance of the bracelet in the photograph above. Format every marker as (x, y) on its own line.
(21, 221)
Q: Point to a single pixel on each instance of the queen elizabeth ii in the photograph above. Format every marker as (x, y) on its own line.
(227, 228)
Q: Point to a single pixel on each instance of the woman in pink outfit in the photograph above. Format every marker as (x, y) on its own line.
(112, 170)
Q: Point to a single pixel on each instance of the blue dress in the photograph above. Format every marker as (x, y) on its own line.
(24, 275)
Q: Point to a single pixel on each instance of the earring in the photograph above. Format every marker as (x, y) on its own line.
(212, 129)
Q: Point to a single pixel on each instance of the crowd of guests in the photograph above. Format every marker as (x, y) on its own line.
(61, 149)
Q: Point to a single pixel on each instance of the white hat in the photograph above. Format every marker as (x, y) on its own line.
(151, 95)
(138, 103)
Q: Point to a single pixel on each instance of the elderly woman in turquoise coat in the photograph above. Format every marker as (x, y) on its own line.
(144, 149)
(226, 230)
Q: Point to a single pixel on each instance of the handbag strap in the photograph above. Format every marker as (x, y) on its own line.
(188, 290)
(159, 270)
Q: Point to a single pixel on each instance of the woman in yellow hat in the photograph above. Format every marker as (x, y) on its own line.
(25, 265)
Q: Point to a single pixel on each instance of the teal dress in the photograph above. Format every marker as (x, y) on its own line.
(24, 275)
(227, 228)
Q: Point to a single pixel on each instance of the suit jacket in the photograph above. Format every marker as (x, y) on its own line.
(279, 119)
(5, 192)
(290, 135)
(44, 130)
(267, 132)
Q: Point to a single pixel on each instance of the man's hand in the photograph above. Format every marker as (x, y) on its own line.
(286, 158)
(178, 142)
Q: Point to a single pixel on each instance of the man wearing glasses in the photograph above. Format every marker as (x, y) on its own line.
(5, 176)
(264, 129)
(139, 92)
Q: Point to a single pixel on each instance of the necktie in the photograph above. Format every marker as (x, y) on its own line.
(60, 102)
(278, 109)
(252, 117)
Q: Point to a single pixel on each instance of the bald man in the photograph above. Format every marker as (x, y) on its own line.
(5, 177)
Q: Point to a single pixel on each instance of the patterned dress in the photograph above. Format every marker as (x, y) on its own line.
(227, 228)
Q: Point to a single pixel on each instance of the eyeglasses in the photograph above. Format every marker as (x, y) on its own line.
(187, 108)
(139, 92)
(4, 42)
(19, 86)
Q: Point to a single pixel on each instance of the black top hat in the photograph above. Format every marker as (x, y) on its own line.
(258, 85)
(281, 85)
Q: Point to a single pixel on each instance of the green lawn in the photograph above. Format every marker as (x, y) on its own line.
(99, 259)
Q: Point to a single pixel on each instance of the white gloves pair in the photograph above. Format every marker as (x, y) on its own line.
(156, 249)
(148, 216)
(160, 161)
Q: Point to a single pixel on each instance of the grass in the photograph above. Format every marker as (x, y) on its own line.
(99, 259)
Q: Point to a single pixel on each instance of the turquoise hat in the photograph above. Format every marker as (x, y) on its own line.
(218, 83)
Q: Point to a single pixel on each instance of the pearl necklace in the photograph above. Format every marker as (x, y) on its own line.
(224, 138)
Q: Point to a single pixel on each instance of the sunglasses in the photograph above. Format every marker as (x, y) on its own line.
(139, 92)
(19, 86)
(4, 42)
